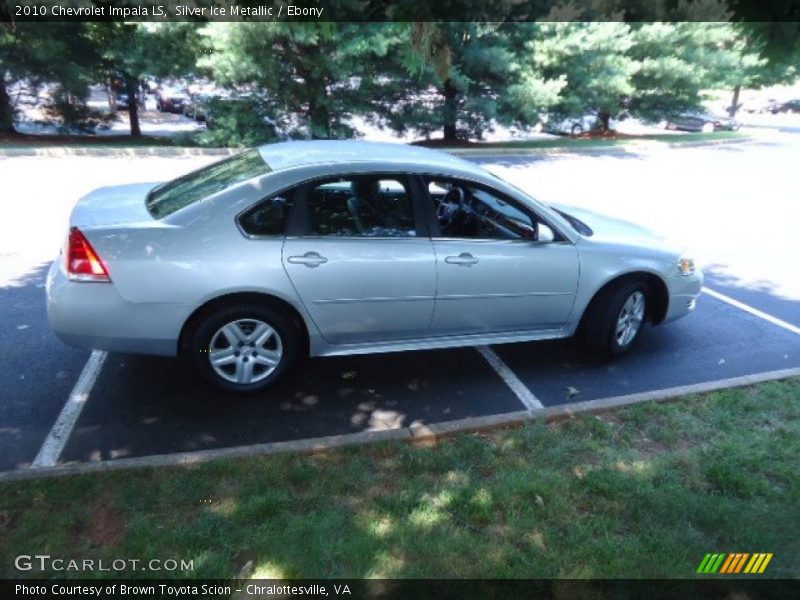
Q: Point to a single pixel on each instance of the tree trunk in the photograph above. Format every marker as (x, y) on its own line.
(112, 99)
(319, 117)
(133, 106)
(603, 120)
(450, 110)
(735, 101)
(6, 111)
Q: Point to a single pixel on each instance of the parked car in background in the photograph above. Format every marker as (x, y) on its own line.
(792, 106)
(171, 99)
(699, 121)
(196, 106)
(570, 125)
(767, 106)
(331, 248)
(123, 101)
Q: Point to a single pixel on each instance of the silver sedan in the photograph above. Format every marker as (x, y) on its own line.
(336, 248)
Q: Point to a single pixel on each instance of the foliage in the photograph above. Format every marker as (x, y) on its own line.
(146, 49)
(594, 62)
(72, 114)
(466, 76)
(316, 79)
(241, 122)
(40, 53)
(311, 75)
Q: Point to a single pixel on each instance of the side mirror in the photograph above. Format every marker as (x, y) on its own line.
(545, 234)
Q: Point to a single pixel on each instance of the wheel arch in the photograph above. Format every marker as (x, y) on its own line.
(658, 294)
(243, 297)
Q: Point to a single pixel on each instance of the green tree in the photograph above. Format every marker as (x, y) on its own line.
(311, 76)
(678, 62)
(38, 53)
(770, 55)
(137, 50)
(593, 60)
(463, 77)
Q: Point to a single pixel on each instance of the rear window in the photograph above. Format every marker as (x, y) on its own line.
(174, 195)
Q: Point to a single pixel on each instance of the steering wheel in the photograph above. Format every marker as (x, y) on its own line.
(452, 202)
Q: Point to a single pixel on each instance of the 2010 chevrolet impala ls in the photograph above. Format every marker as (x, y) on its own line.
(334, 248)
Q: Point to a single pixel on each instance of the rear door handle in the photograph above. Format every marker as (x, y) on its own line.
(309, 259)
(465, 259)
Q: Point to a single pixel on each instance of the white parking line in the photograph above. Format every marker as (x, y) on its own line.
(59, 434)
(525, 396)
(752, 311)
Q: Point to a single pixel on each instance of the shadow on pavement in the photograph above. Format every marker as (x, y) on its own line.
(37, 371)
(145, 406)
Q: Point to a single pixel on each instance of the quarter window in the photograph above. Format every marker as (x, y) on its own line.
(268, 217)
(361, 206)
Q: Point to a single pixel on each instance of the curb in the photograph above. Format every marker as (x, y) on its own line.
(63, 152)
(412, 434)
(166, 151)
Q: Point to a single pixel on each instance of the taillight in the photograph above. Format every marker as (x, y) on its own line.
(83, 263)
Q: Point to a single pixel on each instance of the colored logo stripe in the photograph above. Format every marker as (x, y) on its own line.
(711, 563)
(734, 563)
(758, 563)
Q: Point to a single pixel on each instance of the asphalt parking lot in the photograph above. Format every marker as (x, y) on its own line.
(747, 322)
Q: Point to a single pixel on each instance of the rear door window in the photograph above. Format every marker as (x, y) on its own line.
(361, 206)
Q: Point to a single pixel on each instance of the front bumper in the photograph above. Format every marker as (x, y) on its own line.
(683, 294)
(94, 316)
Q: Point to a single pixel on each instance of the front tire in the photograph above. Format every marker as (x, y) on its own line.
(244, 348)
(615, 318)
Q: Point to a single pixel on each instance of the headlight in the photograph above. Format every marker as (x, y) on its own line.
(686, 266)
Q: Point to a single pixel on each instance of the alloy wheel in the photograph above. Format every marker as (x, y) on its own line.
(630, 319)
(245, 351)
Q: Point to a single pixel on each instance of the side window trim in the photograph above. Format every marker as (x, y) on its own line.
(299, 225)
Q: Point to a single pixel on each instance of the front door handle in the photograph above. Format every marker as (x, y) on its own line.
(309, 259)
(465, 259)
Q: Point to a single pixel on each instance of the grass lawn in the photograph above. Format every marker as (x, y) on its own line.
(577, 143)
(16, 141)
(644, 491)
(10, 143)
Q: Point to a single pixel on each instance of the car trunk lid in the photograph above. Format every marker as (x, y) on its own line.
(113, 206)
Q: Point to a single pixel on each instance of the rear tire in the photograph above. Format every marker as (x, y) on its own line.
(614, 319)
(244, 348)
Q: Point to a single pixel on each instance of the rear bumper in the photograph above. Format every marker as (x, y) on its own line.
(95, 316)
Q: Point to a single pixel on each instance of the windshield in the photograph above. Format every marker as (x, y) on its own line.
(174, 195)
(575, 222)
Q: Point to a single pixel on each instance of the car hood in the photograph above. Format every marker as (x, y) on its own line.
(611, 229)
(114, 205)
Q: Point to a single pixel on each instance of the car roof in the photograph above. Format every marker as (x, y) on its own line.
(288, 155)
